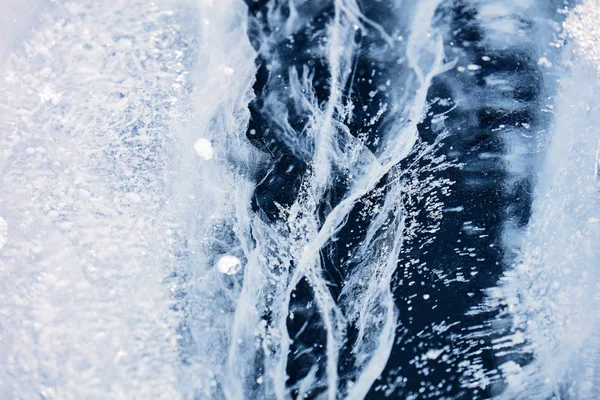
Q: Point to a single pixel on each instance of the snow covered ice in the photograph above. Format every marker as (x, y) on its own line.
(300, 199)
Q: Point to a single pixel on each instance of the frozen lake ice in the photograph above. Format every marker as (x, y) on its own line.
(299, 199)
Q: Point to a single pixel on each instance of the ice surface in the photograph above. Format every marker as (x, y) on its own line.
(3, 232)
(84, 114)
(299, 199)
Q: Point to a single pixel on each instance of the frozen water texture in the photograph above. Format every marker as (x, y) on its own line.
(86, 101)
(3, 232)
(149, 247)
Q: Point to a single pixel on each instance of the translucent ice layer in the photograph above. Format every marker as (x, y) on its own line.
(320, 199)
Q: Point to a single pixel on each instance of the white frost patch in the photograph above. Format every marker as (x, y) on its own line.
(229, 265)
(3, 232)
(552, 293)
(134, 197)
(582, 25)
(80, 257)
(204, 148)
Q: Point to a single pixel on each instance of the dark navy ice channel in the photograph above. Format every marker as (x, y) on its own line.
(300, 199)
(447, 99)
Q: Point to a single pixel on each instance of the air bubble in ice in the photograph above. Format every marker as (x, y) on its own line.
(204, 148)
(229, 265)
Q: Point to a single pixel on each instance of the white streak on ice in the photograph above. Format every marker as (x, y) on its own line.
(211, 202)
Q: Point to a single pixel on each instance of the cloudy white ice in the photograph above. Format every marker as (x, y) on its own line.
(320, 199)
